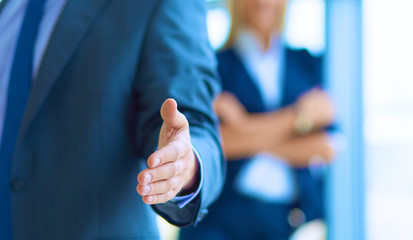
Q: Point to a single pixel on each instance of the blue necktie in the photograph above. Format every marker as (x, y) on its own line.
(18, 94)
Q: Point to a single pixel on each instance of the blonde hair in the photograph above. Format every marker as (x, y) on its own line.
(237, 22)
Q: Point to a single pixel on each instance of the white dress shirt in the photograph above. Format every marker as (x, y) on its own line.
(265, 177)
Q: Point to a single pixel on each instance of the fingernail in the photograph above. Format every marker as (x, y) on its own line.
(147, 178)
(146, 189)
(150, 199)
(156, 162)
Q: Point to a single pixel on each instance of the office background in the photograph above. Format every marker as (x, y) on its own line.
(368, 48)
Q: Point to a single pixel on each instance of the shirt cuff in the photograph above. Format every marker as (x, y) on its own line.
(182, 201)
(337, 141)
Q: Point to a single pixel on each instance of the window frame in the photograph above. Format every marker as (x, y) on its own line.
(343, 69)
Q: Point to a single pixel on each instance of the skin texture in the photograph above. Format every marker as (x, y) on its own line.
(264, 17)
(246, 134)
(173, 166)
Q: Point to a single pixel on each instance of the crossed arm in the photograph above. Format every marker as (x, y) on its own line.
(245, 134)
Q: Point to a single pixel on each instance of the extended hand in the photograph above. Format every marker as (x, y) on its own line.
(173, 166)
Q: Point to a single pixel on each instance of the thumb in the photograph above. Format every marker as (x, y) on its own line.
(171, 116)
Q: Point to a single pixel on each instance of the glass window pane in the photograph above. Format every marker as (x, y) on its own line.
(388, 50)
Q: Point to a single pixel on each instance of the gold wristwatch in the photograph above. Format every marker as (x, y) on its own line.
(303, 124)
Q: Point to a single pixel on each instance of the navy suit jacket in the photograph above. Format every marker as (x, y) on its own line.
(235, 216)
(93, 118)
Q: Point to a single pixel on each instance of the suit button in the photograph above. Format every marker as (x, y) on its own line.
(296, 217)
(18, 185)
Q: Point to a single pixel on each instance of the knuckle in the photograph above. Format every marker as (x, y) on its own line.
(170, 194)
(169, 184)
(173, 170)
(155, 174)
(155, 188)
(163, 199)
(180, 166)
(173, 183)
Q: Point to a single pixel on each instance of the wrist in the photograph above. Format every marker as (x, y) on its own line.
(193, 182)
(282, 128)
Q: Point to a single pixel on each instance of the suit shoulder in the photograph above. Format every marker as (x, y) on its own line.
(309, 64)
(228, 65)
(304, 55)
(305, 59)
(193, 5)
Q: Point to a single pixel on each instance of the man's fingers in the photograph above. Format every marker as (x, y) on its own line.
(160, 198)
(159, 187)
(169, 153)
(163, 179)
(166, 171)
(171, 116)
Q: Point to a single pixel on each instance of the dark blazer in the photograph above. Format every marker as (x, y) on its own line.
(93, 118)
(235, 216)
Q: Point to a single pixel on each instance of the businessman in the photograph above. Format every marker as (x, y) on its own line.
(105, 116)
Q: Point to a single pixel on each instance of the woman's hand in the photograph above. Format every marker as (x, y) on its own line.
(317, 106)
(301, 150)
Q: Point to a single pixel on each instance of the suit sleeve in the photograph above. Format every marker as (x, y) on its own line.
(178, 62)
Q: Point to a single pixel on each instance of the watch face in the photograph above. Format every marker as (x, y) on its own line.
(303, 125)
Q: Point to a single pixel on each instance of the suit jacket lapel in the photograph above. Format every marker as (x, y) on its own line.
(249, 93)
(289, 79)
(74, 22)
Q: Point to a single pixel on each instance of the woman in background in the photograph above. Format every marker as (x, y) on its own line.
(273, 117)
